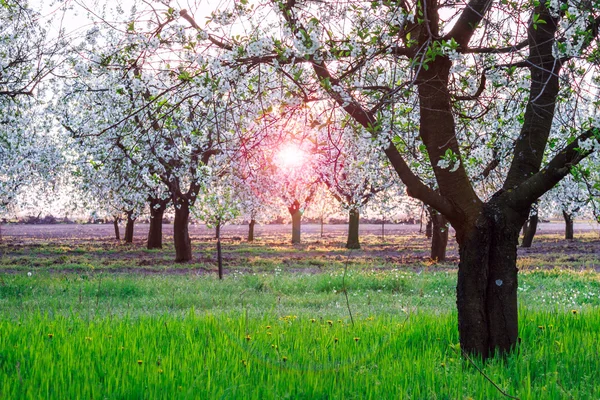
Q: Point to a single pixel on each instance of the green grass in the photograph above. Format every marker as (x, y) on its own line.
(190, 333)
(273, 356)
(76, 329)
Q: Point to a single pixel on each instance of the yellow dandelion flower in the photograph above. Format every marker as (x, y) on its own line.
(330, 322)
(139, 362)
(574, 312)
(313, 320)
(284, 358)
(160, 371)
(248, 338)
(356, 339)
(269, 333)
(541, 327)
(268, 326)
(335, 340)
(50, 335)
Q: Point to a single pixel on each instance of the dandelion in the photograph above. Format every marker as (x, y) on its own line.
(268, 326)
(443, 365)
(330, 322)
(269, 333)
(29, 273)
(50, 335)
(160, 371)
(574, 312)
(248, 338)
(140, 362)
(274, 346)
(335, 340)
(356, 339)
(541, 327)
(313, 320)
(284, 358)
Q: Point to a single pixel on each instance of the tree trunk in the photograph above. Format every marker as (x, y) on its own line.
(321, 226)
(116, 225)
(382, 228)
(487, 284)
(568, 225)
(219, 255)
(296, 214)
(251, 230)
(181, 236)
(439, 240)
(296, 225)
(429, 227)
(530, 230)
(129, 227)
(155, 230)
(353, 224)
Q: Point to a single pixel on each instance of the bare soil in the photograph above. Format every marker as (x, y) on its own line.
(71, 247)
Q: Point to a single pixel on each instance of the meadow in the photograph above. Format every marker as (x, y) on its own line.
(93, 318)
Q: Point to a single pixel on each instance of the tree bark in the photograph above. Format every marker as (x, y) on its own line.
(156, 221)
(251, 230)
(568, 225)
(530, 230)
(429, 227)
(181, 236)
(129, 227)
(487, 283)
(439, 241)
(353, 225)
(116, 226)
(296, 214)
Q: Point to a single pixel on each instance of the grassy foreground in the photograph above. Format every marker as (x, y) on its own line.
(276, 335)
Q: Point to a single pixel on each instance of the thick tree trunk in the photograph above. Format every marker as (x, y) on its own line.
(296, 214)
(568, 225)
(116, 226)
(251, 230)
(530, 230)
(296, 226)
(181, 236)
(439, 240)
(353, 225)
(129, 227)
(155, 230)
(487, 284)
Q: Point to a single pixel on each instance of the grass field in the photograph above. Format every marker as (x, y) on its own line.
(85, 319)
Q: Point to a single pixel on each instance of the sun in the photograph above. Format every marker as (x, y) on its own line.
(290, 156)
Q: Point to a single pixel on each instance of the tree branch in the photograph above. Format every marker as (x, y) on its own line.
(560, 166)
(468, 21)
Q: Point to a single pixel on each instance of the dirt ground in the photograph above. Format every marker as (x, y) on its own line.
(310, 231)
(25, 246)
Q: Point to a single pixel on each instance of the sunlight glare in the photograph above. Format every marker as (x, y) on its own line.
(291, 156)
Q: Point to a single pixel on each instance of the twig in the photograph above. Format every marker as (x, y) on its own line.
(464, 353)
(344, 286)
